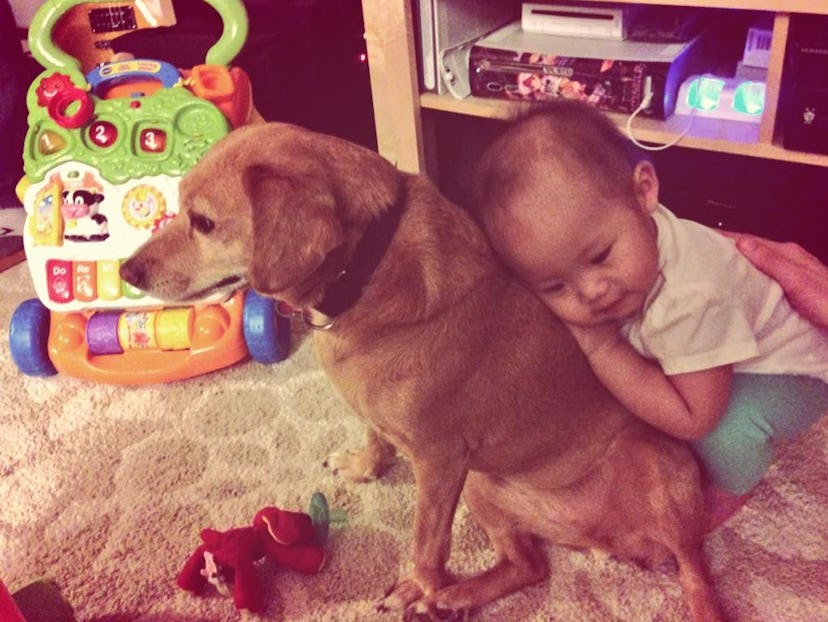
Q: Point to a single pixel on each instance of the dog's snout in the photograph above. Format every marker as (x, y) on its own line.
(135, 273)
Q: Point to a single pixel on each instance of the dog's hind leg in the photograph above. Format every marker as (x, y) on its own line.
(520, 563)
(365, 464)
(678, 521)
(439, 478)
(519, 560)
(695, 581)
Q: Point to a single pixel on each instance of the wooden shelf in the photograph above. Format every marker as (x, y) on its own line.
(402, 135)
(698, 132)
(818, 7)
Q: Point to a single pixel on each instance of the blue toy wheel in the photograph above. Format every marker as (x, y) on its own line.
(29, 339)
(266, 333)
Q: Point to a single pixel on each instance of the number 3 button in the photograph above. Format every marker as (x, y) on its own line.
(153, 140)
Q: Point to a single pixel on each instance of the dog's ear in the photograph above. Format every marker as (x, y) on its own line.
(294, 226)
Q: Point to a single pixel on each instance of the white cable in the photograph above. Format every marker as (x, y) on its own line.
(449, 79)
(644, 103)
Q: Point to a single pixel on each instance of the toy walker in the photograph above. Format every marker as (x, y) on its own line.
(103, 158)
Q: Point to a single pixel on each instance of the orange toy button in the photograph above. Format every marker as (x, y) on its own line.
(85, 280)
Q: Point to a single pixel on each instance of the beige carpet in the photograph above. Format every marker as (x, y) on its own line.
(105, 489)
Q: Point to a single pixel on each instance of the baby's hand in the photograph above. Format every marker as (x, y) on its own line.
(593, 339)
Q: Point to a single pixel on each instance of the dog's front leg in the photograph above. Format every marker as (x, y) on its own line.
(439, 481)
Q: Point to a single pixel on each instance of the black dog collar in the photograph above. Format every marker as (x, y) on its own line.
(347, 287)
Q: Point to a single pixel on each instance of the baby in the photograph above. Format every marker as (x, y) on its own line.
(676, 323)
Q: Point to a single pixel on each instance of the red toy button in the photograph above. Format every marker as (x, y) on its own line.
(59, 280)
(103, 133)
(153, 140)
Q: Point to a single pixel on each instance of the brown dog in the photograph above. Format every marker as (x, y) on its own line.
(445, 357)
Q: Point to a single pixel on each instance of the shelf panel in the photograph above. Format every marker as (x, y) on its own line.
(734, 137)
(12, 260)
(787, 6)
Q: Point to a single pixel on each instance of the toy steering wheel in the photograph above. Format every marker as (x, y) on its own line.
(127, 70)
(234, 33)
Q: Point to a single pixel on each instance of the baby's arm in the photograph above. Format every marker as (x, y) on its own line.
(686, 406)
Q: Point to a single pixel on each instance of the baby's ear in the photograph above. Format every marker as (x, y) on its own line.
(645, 183)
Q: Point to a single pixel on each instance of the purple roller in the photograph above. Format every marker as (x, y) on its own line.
(102, 334)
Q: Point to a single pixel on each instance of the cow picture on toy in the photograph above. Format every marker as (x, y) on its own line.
(80, 210)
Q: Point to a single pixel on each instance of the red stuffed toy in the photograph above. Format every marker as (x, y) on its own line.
(287, 538)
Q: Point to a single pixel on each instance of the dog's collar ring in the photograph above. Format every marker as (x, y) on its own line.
(307, 318)
(306, 315)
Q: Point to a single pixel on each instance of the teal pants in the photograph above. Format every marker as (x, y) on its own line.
(762, 408)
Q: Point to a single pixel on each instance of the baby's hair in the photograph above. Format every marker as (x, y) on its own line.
(588, 134)
(570, 140)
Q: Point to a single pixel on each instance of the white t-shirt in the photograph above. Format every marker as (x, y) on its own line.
(711, 307)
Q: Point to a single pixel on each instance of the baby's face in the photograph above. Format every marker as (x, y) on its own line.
(591, 261)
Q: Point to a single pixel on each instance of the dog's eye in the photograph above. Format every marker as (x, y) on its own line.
(201, 223)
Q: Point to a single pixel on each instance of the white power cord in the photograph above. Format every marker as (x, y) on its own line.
(645, 102)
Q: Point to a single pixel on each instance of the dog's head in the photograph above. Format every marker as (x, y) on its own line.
(270, 205)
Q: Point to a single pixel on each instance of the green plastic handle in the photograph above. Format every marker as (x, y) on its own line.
(49, 55)
(234, 34)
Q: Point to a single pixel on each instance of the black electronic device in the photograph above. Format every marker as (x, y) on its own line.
(805, 92)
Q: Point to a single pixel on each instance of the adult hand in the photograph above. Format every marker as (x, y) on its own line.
(803, 277)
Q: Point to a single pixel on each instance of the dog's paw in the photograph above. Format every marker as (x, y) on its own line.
(418, 604)
(354, 465)
(422, 612)
(399, 597)
(451, 604)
